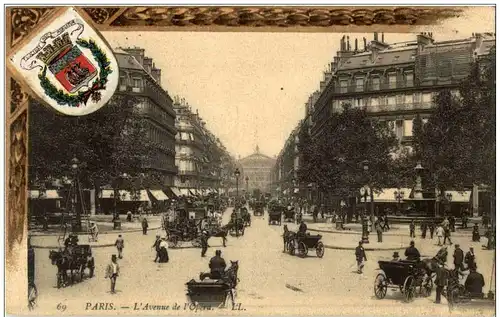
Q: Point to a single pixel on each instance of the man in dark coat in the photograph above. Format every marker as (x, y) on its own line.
(145, 226)
(432, 228)
(458, 258)
(470, 258)
(441, 278)
(156, 246)
(217, 266)
(412, 253)
(412, 229)
(474, 283)
(360, 256)
(204, 242)
(424, 229)
(476, 237)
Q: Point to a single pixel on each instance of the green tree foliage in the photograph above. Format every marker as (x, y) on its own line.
(108, 142)
(350, 138)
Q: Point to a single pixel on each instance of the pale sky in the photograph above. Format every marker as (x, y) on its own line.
(235, 79)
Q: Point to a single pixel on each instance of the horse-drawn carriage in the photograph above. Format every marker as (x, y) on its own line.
(258, 209)
(275, 214)
(32, 290)
(236, 225)
(289, 214)
(214, 292)
(304, 243)
(246, 217)
(75, 259)
(406, 275)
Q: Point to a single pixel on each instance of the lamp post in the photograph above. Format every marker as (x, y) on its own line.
(398, 196)
(237, 175)
(449, 198)
(364, 222)
(116, 196)
(366, 168)
(75, 165)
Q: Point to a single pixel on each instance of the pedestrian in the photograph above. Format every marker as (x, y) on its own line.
(476, 237)
(432, 228)
(386, 223)
(452, 223)
(322, 211)
(440, 234)
(360, 257)
(441, 278)
(458, 258)
(120, 244)
(470, 258)
(424, 229)
(129, 216)
(145, 225)
(447, 235)
(156, 246)
(412, 229)
(112, 272)
(204, 243)
(378, 227)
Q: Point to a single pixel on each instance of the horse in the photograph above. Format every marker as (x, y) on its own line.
(64, 263)
(287, 237)
(221, 233)
(230, 277)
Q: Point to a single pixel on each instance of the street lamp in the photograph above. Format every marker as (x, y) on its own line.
(237, 175)
(75, 165)
(246, 179)
(398, 196)
(364, 222)
(372, 203)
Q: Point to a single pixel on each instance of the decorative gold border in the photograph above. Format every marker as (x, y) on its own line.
(22, 22)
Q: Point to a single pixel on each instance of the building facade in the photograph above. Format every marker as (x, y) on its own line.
(141, 79)
(204, 165)
(257, 167)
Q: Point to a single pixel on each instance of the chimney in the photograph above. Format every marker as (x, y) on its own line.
(148, 64)
(156, 73)
(424, 39)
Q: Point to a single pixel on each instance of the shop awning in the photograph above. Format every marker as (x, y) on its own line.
(387, 195)
(176, 191)
(459, 197)
(158, 194)
(126, 195)
(49, 194)
(184, 191)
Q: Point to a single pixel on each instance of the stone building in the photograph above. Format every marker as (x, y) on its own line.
(257, 167)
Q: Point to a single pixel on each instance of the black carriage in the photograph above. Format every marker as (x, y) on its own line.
(258, 209)
(302, 245)
(289, 215)
(237, 226)
(32, 290)
(245, 216)
(275, 214)
(405, 275)
(208, 293)
(80, 258)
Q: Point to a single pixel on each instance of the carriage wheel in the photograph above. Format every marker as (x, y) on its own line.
(303, 250)
(291, 248)
(32, 295)
(173, 242)
(380, 286)
(409, 288)
(320, 250)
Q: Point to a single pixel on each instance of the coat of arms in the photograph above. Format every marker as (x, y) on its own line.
(77, 72)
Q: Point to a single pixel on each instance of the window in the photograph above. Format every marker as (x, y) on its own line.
(374, 101)
(376, 83)
(335, 105)
(358, 102)
(426, 97)
(123, 83)
(137, 84)
(408, 99)
(391, 100)
(184, 136)
(392, 81)
(360, 83)
(399, 129)
(408, 128)
(409, 79)
(343, 86)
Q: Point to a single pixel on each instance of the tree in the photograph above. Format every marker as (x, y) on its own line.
(305, 149)
(108, 142)
(349, 139)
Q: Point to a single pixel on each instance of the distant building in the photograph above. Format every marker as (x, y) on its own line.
(257, 167)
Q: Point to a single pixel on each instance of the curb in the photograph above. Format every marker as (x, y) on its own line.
(41, 234)
(384, 234)
(366, 249)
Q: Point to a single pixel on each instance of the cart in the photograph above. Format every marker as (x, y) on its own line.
(307, 242)
(208, 293)
(275, 217)
(405, 275)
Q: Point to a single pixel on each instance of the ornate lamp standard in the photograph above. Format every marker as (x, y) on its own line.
(237, 175)
(372, 203)
(246, 180)
(116, 197)
(398, 196)
(364, 222)
(75, 165)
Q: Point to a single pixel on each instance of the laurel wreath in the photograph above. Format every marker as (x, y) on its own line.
(81, 97)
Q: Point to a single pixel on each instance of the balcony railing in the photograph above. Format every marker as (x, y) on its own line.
(374, 87)
(400, 107)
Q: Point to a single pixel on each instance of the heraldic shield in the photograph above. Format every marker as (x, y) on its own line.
(69, 66)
